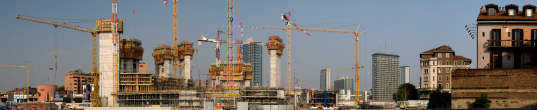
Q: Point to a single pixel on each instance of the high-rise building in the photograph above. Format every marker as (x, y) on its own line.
(325, 79)
(405, 74)
(506, 37)
(344, 83)
(386, 76)
(437, 65)
(253, 54)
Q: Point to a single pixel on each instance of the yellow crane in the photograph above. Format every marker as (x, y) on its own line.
(27, 77)
(230, 35)
(356, 35)
(93, 32)
(174, 38)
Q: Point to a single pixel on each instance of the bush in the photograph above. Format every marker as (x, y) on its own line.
(481, 102)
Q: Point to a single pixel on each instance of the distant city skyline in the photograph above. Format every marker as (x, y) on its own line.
(416, 26)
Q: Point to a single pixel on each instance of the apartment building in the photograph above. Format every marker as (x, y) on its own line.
(437, 65)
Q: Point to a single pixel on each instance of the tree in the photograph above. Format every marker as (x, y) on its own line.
(61, 88)
(481, 102)
(405, 92)
(439, 99)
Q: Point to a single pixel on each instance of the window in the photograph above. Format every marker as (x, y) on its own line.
(491, 12)
(534, 37)
(426, 71)
(495, 35)
(517, 37)
(440, 86)
(529, 12)
(426, 78)
(434, 78)
(462, 62)
(454, 62)
(511, 12)
(439, 55)
(447, 55)
(434, 71)
(439, 78)
(447, 63)
(439, 62)
(447, 78)
(447, 85)
(439, 70)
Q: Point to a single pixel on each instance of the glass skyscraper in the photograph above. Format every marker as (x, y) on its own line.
(386, 75)
(253, 54)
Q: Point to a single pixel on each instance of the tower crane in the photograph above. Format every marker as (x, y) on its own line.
(218, 43)
(174, 38)
(288, 22)
(356, 35)
(93, 32)
(27, 77)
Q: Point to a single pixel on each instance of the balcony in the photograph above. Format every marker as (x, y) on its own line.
(511, 43)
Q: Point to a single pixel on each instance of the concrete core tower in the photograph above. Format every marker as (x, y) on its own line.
(130, 78)
(275, 48)
(185, 52)
(108, 65)
(130, 54)
(162, 55)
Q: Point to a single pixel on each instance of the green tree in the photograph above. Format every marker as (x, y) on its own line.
(481, 102)
(61, 88)
(405, 92)
(439, 99)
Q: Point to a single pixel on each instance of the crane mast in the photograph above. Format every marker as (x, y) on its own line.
(115, 40)
(174, 40)
(230, 30)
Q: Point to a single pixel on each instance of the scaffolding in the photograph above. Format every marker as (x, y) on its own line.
(170, 98)
(242, 74)
(135, 82)
(264, 96)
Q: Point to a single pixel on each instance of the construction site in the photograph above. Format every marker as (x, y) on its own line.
(116, 79)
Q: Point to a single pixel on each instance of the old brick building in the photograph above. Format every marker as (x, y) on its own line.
(507, 37)
(507, 58)
(436, 66)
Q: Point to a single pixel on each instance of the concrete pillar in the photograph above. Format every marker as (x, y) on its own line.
(164, 69)
(274, 69)
(106, 68)
(186, 69)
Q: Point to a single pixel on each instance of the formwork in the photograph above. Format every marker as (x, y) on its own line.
(239, 77)
(162, 56)
(185, 51)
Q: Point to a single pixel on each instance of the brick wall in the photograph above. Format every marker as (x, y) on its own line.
(507, 88)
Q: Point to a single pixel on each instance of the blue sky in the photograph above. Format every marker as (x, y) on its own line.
(400, 27)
